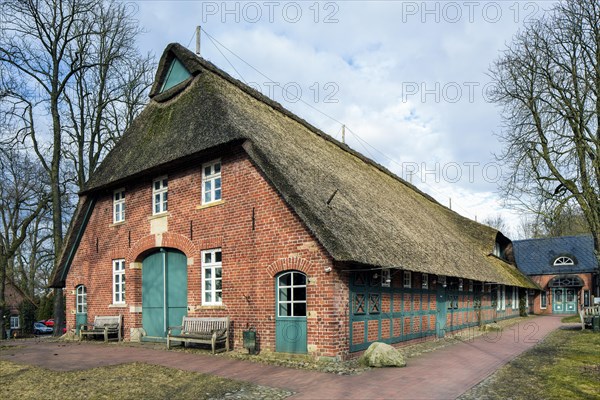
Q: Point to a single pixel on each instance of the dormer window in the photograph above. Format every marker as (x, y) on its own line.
(497, 251)
(563, 261)
(176, 74)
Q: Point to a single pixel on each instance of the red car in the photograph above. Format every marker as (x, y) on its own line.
(48, 322)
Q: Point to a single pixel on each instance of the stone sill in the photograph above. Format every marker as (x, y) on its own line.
(209, 205)
(157, 216)
(116, 224)
(211, 308)
(118, 305)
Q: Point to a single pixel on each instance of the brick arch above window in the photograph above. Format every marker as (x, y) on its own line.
(286, 264)
(172, 240)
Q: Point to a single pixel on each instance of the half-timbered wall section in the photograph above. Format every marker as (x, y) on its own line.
(392, 308)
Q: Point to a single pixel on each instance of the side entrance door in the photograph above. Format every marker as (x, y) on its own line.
(164, 292)
(290, 314)
(80, 307)
(440, 321)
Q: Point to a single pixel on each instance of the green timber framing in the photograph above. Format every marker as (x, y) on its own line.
(393, 313)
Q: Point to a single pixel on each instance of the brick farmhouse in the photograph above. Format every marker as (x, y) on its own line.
(219, 202)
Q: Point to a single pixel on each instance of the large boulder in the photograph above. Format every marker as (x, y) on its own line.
(382, 355)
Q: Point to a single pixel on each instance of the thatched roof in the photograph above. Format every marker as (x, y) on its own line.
(375, 218)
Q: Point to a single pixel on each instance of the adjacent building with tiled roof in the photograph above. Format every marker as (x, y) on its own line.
(566, 269)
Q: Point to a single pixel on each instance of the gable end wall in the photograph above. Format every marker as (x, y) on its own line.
(251, 258)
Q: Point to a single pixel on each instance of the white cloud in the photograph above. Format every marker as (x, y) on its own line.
(357, 71)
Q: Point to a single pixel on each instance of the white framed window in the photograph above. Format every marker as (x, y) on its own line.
(212, 277)
(501, 298)
(291, 294)
(543, 300)
(14, 322)
(497, 251)
(424, 281)
(470, 285)
(460, 284)
(563, 260)
(515, 297)
(81, 299)
(119, 205)
(407, 279)
(119, 281)
(160, 188)
(211, 182)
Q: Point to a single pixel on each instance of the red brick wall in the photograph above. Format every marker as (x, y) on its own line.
(543, 280)
(251, 258)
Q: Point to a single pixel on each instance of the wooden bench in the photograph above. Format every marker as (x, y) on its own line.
(207, 330)
(105, 326)
(587, 313)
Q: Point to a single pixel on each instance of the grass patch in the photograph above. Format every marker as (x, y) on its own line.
(566, 365)
(571, 319)
(125, 381)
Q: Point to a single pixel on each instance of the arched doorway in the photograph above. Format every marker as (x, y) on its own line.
(164, 292)
(291, 310)
(564, 293)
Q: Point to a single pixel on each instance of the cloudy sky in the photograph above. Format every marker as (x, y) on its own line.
(407, 79)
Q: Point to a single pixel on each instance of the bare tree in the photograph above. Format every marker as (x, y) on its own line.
(103, 99)
(71, 59)
(497, 222)
(548, 83)
(23, 198)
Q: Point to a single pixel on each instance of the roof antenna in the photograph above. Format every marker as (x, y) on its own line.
(198, 30)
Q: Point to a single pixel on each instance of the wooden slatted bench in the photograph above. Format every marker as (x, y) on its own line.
(103, 325)
(207, 330)
(587, 313)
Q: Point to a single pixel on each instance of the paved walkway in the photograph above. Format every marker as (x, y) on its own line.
(441, 374)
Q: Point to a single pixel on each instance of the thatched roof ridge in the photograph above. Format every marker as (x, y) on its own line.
(357, 209)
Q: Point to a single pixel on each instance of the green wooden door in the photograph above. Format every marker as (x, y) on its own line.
(570, 300)
(176, 288)
(164, 292)
(291, 310)
(564, 300)
(440, 321)
(558, 301)
(80, 307)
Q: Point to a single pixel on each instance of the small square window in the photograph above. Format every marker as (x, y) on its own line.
(14, 322)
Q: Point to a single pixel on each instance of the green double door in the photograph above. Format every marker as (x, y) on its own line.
(164, 292)
(564, 300)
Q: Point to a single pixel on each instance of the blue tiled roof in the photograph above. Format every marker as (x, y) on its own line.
(536, 256)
